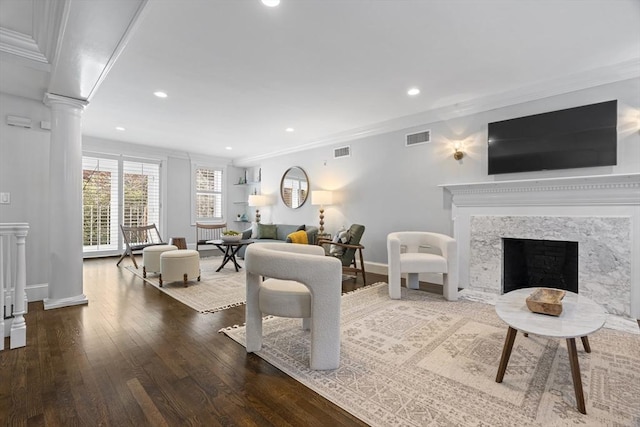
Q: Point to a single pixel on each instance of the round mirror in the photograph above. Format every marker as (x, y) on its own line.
(294, 187)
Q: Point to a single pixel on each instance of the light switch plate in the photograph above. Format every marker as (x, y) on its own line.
(5, 198)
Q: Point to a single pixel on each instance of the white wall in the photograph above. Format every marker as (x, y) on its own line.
(24, 172)
(389, 187)
(383, 185)
(176, 191)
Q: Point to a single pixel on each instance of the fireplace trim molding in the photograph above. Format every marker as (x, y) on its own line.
(622, 189)
(597, 195)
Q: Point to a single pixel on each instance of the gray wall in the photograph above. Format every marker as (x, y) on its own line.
(383, 185)
(389, 187)
(24, 172)
(175, 214)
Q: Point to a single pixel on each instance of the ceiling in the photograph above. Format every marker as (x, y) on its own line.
(238, 73)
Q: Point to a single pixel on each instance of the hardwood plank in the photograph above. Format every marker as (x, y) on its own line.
(150, 410)
(134, 356)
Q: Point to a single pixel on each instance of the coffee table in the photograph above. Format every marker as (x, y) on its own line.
(580, 317)
(230, 249)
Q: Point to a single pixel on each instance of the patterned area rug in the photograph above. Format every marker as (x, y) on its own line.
(214, 292)
(423, 361)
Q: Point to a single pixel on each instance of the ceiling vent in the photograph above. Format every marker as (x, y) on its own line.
(418, 138)
(342, 152)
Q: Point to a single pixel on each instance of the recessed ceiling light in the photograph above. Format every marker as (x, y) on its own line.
(160, 94)
(228, 148)
(413, 91)
(289, 130)
(120, 128)
(271, 3)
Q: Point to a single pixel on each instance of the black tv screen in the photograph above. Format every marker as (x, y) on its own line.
(577, 137)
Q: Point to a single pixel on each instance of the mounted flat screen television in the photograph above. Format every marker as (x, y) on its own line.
(577, 137)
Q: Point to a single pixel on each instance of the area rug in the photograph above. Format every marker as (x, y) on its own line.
(423, 361)
(214, 291)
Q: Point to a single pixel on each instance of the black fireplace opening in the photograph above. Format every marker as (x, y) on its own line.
(529, 263)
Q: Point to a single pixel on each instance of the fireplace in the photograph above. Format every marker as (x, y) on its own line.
(601, 213)
(528, 263)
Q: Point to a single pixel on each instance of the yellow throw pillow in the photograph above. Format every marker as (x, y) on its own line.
(298, 237)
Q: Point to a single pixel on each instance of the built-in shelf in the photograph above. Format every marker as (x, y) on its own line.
(248, 183)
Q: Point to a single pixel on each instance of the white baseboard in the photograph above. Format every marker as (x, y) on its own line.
(37, 292)
(50, 303)
(376, 267)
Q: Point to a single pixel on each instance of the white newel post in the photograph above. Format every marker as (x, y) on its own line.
(65, 189)
(13, 278)
(19, 326)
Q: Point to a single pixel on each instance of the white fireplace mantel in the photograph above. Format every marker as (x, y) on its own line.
(622, 189)
(581, 208)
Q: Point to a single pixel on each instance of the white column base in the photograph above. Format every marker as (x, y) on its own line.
(50, 303)
(18, 336)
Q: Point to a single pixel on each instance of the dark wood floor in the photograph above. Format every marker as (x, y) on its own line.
(135, 356)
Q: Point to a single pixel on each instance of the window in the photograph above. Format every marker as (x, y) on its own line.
(99, 203)
(117, 190)
(141, 193)
(208, 194)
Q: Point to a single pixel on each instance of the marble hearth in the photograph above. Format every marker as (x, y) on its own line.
(601, 213)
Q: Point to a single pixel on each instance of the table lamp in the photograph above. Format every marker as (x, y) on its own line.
(322, 198)
(257, 201)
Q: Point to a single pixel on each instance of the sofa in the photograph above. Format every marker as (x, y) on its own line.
(282, 232)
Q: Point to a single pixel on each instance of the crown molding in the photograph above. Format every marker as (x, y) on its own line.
(21, 45)
(47, 17)
(38, 49)
(565, 84)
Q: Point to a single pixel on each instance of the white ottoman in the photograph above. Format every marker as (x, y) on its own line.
(151, 258)
(179, 265)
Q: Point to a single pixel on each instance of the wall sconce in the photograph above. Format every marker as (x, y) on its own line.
(257, 201)
(321, 198)
(457, 153)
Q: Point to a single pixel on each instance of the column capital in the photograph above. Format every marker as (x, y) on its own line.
(53, 99)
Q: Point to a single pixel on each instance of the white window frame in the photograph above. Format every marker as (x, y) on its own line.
(121, 158)
(224, 192)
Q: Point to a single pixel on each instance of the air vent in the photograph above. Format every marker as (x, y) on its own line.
(421, 137)
(342, 152)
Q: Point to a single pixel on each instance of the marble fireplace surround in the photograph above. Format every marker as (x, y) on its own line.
(601, 213)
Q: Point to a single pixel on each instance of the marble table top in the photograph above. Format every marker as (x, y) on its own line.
(580, 316)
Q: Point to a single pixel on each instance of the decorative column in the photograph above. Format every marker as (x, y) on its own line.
(65, 201)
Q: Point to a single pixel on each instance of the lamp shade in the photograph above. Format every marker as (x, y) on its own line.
(258, 200)
(321, 197)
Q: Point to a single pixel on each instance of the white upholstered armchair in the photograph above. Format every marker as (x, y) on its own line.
(302, 283)
(404, 257)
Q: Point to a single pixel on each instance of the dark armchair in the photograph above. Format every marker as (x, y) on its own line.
(138, 238)
(348, 253)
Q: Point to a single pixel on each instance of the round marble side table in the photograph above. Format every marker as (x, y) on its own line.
(580, 317)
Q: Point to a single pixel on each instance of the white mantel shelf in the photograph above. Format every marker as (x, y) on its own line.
(618, 189)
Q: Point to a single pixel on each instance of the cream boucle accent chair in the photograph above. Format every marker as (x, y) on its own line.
(151, 258)
(413, 262)
(181, 265)
(302, 283)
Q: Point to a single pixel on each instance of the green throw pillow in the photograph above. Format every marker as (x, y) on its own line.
(267, 231)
